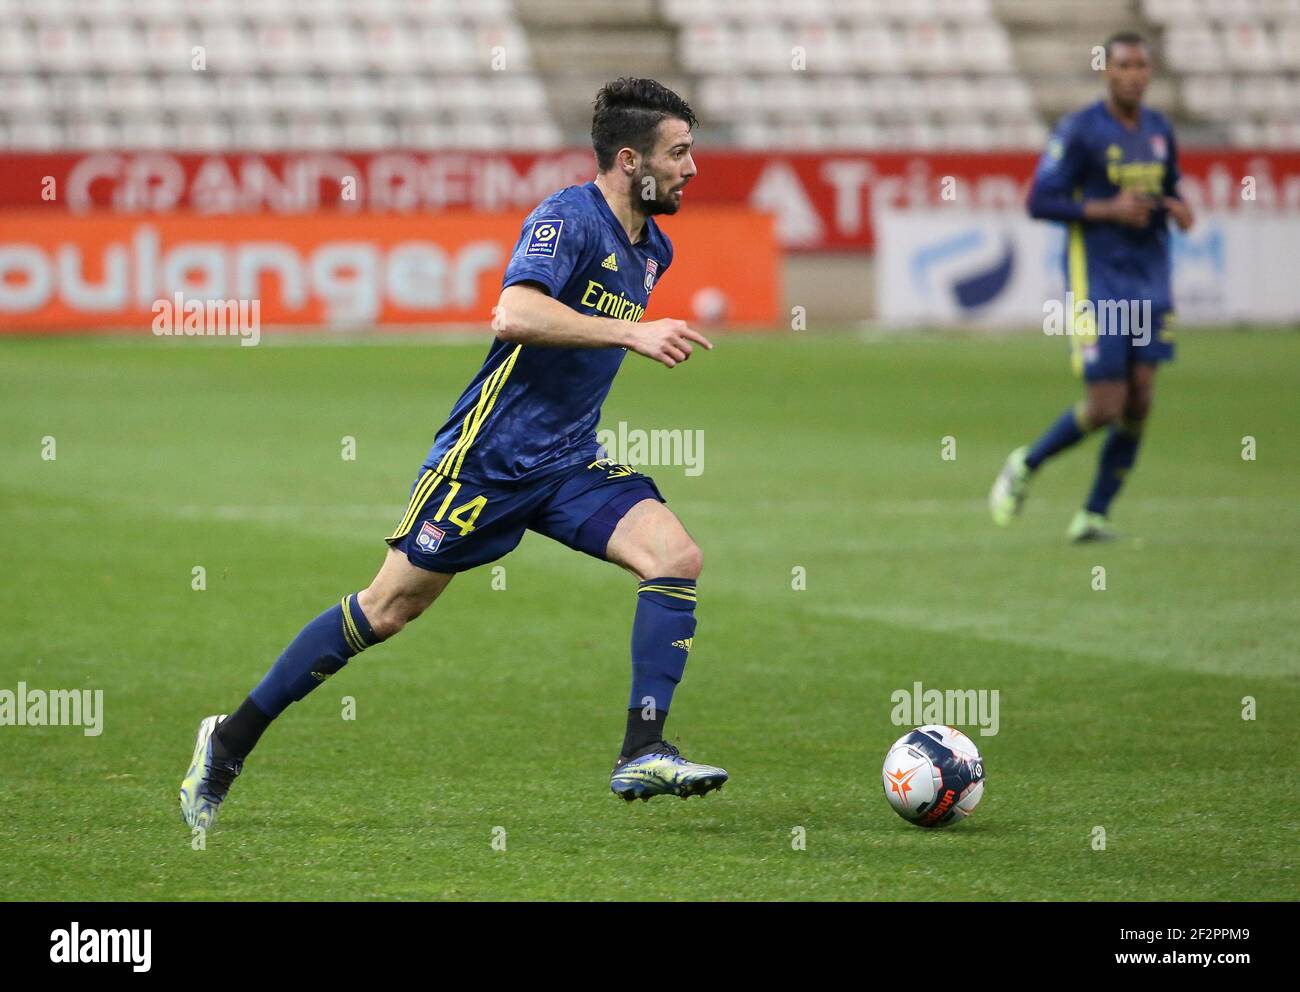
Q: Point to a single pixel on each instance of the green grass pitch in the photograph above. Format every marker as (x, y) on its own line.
(1120, 709)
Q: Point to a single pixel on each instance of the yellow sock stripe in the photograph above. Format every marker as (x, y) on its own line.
(471, 418)
(1077, 257)
(1081, 420)
(423, 490)
(675, 591)
(350, 633)
(689, 599)
(506, 368)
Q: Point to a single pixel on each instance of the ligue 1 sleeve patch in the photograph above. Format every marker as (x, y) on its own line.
(544, 238)
(429, 538)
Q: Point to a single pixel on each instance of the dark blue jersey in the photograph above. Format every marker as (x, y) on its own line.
(532, 410)
(1093, 156)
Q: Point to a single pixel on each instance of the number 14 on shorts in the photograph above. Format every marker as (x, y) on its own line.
(462, 516)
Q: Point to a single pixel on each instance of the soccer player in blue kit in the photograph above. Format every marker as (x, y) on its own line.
(1111, 173)
(519, 452)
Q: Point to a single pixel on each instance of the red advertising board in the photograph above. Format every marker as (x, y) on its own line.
(821, 201)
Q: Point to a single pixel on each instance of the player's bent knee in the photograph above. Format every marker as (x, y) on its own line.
(387, 615)
(1138, 407)
(1102, 413)
(389, 618)
(383, 620)
(685, 561)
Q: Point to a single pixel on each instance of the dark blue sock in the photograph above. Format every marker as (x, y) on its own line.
(661, 638)
(1117, 456)
(320, 649)
(1068, 429)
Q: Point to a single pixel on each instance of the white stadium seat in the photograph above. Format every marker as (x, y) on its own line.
(295, 93)
(33, 134)
(243, 95)
(534, 134)
(311, 131)
(335, 47)
(93, 133)
(202, 133)
(1209, 96)
(983, 48)
(766, 47)
(509, 39)
(17, 53)
(60, 47)
(1248, 47)
(227, 47)
(856, 135)
(406, 94)
(446, 48)
(1288, 45)
(825, 48)
(709, 46)
(367, 133)
(114, 46)
(168, 46)
(354, 95)
(147, 132)
(255, 132)
(1172, 11)
(876, 48)
(385, 45)
(1193, 48)
(24, 94)
(971, 11)
(192, 92)
(929, 47)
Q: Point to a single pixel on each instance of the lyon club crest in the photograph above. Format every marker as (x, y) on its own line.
(1158, 147)
(429, 538)
(651, 270)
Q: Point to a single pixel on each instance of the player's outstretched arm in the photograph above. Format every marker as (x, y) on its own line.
(526, 315)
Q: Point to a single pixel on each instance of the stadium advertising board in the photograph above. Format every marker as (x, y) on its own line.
(109, 271)
(998, 267)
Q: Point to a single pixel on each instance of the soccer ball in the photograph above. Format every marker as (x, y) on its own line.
(709, 305)
(933, 776)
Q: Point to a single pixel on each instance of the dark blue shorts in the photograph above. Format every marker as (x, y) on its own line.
(1113, 349)
(456, 525)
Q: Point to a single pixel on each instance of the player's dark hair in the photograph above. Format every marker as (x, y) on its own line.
(627, 113)
(1124, 38)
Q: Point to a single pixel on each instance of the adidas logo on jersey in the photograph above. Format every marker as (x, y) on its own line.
(684, 644)
(610, 263)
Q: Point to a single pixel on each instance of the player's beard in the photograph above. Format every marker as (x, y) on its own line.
(663, 202)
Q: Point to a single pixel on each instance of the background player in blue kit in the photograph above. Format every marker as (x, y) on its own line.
(1111, 173)
(519, 452)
